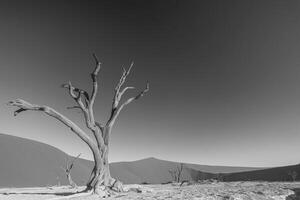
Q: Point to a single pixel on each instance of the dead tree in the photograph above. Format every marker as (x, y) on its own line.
(173, 174)
(293, 175)
(177, 173)
(100, 181)
(67, 169)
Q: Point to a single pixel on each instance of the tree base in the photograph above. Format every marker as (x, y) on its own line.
(112, 187)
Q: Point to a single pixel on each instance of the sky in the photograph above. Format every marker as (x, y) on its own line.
(224, 76)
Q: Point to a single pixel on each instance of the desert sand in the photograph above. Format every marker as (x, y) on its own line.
(207, 191)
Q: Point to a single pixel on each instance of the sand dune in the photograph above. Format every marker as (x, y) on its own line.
(27, 163)
(270, 174)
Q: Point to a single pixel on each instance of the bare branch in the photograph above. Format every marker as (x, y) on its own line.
(18, 111)
(99, 125)
(71, 89)
(76, 94)
(73, 107)
(136, 97)
(116, 111)
(94, 79)
(87, 107)
(67, 169)
(73, 161)
(124, 90)
(118, 94)
(97, 69)
(24, 106)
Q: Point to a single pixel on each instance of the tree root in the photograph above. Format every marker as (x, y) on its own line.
(101, 191)
(114, 187)
(106, 188)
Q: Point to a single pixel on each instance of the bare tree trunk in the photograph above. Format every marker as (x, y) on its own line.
(179, 171)
(100, 178)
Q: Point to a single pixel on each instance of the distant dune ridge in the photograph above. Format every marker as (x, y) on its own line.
(28, 163)
(270, 174)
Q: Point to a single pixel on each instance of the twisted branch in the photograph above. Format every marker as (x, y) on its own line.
(76, 94)
(116, 109)
(87, 107)
(69, 167)
(118, 93)
(94, 79)
(24, 106)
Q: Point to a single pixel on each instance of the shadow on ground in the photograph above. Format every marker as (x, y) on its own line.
(42, 193)
(295, 196)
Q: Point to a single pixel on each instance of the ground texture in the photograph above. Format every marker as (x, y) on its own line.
(205, 191)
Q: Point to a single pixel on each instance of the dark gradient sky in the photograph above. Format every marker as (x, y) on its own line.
(224, 76)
